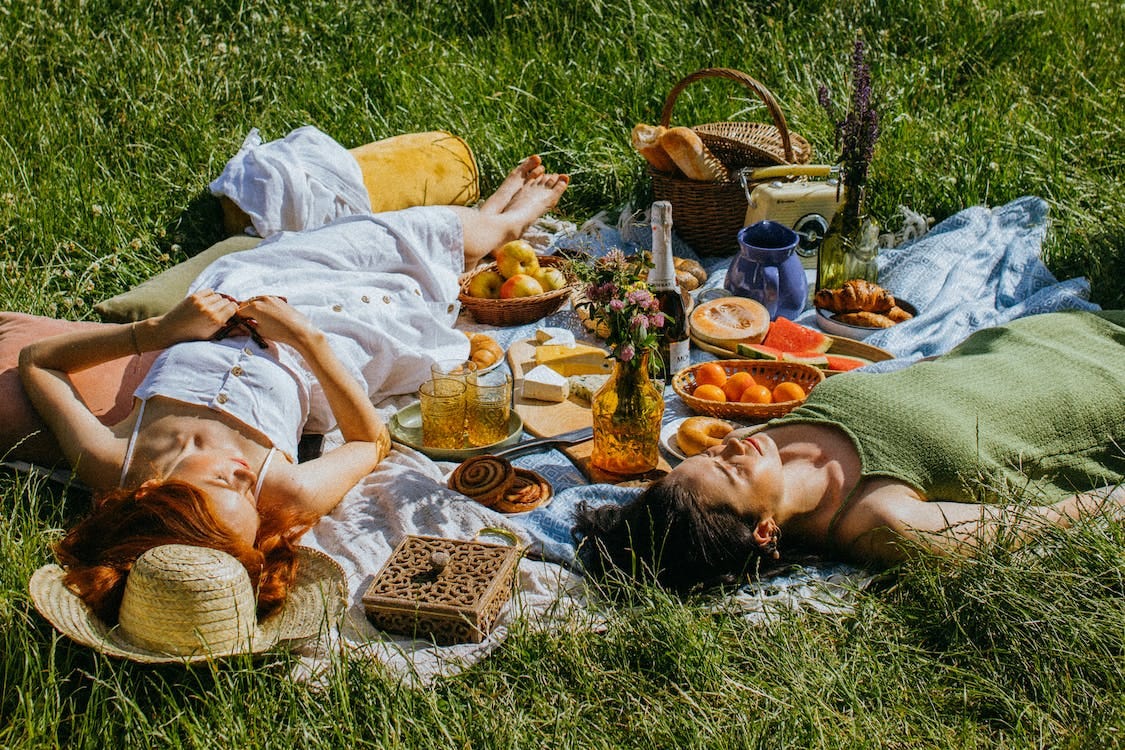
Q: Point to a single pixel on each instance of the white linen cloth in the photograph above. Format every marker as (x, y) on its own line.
(302, 181)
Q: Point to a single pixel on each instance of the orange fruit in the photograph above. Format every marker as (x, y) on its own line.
(736, 384)
(709, 392)
(788, 391)
(711, 373)
(756, 394)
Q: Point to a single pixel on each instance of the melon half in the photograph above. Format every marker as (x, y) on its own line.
(729, 321)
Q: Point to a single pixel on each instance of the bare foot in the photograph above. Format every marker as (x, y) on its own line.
(528, 169)
(537, 196)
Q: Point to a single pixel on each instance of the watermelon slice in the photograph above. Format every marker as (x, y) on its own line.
(788, 336)
(813, 357)
(758, 351)
(841, 363)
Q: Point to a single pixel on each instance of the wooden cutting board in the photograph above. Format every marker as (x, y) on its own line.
(545, 419)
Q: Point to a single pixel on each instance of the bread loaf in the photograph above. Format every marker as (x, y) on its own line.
(646, 140)
(692, 156)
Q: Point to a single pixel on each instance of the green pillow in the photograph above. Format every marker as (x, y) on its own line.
(157, 295)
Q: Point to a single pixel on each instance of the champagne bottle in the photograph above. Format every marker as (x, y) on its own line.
(675, 348)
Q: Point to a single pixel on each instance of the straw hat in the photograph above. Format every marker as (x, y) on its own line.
(185, 604)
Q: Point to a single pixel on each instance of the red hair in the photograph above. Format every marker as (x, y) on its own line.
(100, 551)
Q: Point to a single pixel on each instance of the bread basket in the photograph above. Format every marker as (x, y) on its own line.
(764, 372)
(517, 310)
(708, 215)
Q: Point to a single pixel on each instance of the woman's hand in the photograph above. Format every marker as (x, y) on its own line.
(196, 317)
(274, 319)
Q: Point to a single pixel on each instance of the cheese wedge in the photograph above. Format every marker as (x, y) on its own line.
(580, 359)
(554, 336)
(544, 384)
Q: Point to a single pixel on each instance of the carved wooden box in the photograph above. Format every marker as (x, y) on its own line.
(447, 590)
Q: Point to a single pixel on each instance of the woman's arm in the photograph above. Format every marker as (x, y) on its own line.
(90, 447)
(317, 486)
(890, 519)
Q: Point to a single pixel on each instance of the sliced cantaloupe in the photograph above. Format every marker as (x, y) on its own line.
(728, 321)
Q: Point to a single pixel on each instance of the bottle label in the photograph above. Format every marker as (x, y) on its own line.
(679, 355)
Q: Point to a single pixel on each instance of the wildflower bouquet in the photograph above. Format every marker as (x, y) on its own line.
(620, 299)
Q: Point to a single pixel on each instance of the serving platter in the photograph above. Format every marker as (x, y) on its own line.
(405, 427)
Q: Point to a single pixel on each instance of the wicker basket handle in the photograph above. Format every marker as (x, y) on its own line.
(740, 77)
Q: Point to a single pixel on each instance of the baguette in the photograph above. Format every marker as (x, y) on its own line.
(646, 140)
(692, 156)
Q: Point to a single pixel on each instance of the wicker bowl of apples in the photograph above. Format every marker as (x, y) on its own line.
(519, 287)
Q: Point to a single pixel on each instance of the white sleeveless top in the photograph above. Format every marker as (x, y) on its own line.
(237, 378)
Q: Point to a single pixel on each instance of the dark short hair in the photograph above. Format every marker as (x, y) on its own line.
(665, 536)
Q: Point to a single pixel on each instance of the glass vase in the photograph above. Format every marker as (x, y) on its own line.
(850, 245)
(627, 412)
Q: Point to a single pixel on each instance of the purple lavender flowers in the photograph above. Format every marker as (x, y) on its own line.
(856, 131)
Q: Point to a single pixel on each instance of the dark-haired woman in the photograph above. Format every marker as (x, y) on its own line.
(875, 465)
(207, 455)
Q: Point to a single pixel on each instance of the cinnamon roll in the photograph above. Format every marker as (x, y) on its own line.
(529, 491)
(486, 479)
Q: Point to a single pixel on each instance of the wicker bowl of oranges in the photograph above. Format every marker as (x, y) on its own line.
(747, 389)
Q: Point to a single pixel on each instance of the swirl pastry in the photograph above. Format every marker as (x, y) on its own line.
(529, 491)
(486, 479)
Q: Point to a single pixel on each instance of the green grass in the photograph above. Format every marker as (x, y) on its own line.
(114, 117)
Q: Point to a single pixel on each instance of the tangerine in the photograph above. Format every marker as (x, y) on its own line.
(737, 383)
(710, 373)
(756, 394)
(788, 391)
(709, 392)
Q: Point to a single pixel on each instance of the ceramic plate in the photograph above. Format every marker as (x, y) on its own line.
(828, 323)
(668, 439)
(406, 428)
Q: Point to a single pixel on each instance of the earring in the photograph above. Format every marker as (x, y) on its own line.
(769, 549)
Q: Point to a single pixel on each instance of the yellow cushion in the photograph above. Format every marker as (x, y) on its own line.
(418, 169)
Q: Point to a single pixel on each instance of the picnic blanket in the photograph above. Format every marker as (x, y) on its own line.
(978, 268)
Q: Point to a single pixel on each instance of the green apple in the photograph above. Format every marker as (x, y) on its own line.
(486, 284)
(550, 278)
(515, 257)
(520, 285)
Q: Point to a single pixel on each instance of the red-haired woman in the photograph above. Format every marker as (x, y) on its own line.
(207, 455)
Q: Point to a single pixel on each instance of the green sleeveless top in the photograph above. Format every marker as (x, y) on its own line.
(1040, 399)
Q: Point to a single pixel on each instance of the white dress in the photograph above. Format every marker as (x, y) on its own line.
(383, 288)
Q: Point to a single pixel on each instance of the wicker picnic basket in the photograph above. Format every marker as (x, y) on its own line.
(764, 372)
(516, 311)
(708, 215)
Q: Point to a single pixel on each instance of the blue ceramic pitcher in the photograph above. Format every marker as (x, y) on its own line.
(768, 270)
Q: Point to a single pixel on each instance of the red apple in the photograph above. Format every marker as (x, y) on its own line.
(486, 284)
(520, 285)
(515, 257)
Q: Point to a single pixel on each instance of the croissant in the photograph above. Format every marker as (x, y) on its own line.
(866, 319)
(897, 314)
(854, 296)
(483, 349)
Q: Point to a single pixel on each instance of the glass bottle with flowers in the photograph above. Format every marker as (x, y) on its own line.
(628, 409)
(851, 242)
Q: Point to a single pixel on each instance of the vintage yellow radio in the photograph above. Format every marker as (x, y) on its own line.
(786, 194)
